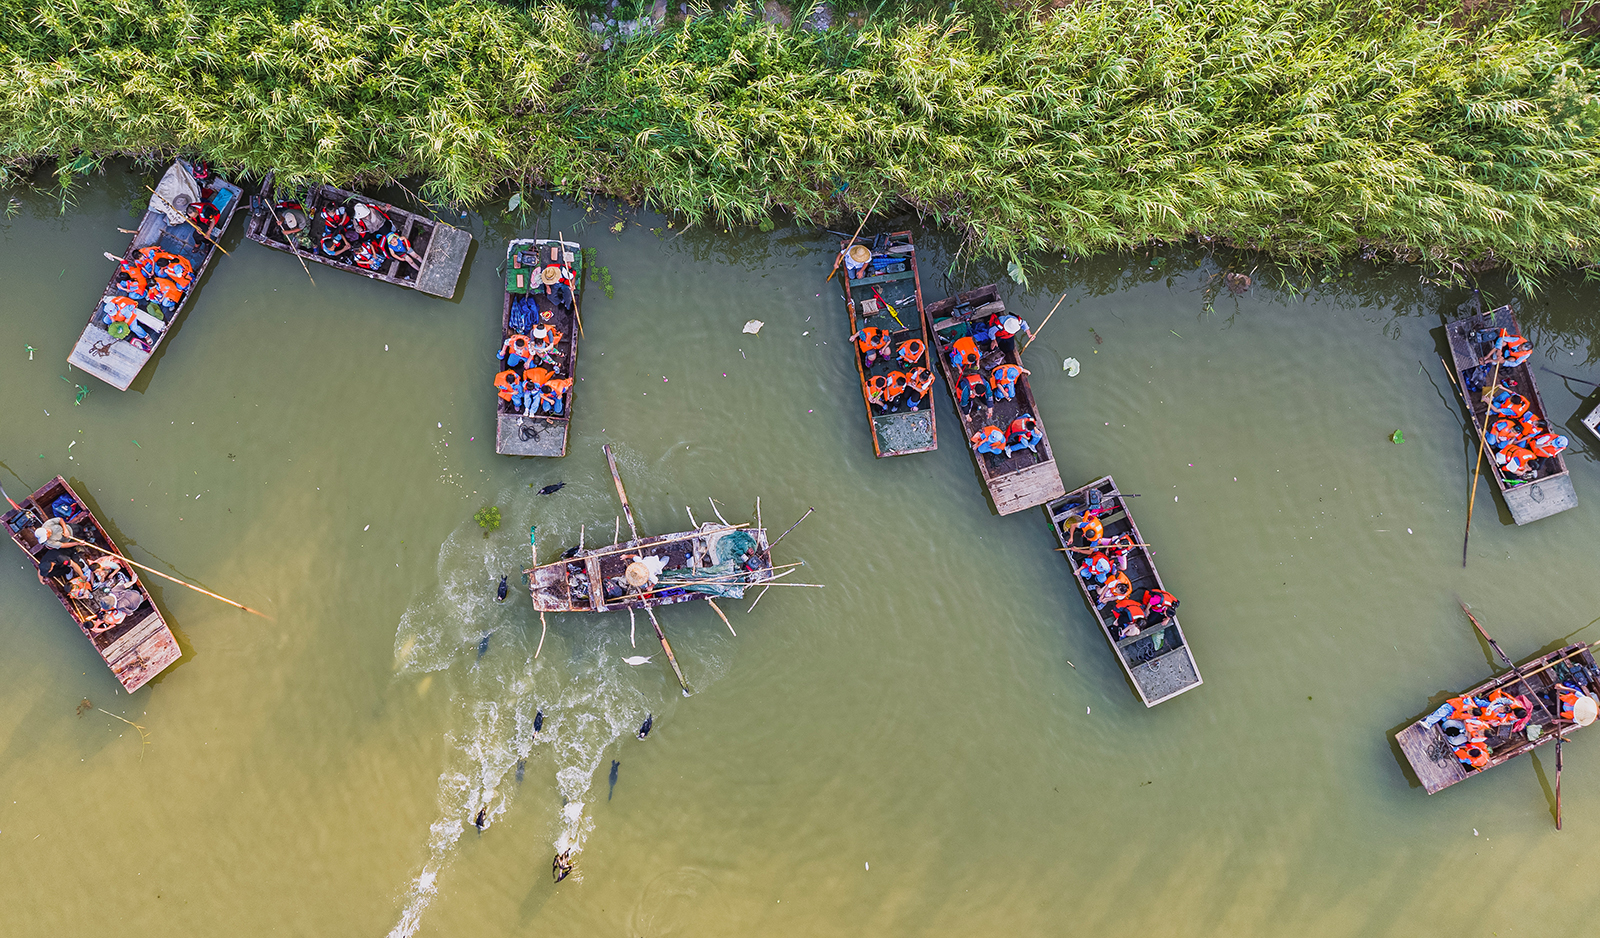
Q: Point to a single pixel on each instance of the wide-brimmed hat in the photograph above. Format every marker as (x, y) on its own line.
(1011, 324)
(860, 253)
(540, 330)
(363, 210)
(1585, 710)
(1459, 736)
(118, 330)
(637, 574)
(551, 273)
(291, 220)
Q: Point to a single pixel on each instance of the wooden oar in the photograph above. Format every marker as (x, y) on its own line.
(8, 498)
(840, 258)
(1515, 671)
(791, 528)
(293, 248)
(186, 218)
(671, 658)
(1042, 324)
(1080, 550)
(1559, 735)
(622, 495)
(172, 578)
(1477, 465)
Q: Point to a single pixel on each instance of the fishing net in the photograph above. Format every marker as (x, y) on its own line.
(898, 433)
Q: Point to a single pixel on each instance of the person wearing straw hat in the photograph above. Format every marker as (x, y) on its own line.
(856, 260)
(557, 280)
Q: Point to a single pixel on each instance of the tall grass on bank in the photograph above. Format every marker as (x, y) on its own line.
(1304, 128)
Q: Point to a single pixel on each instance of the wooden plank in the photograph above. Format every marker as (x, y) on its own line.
(441, 267)
(1430, 757)
(884, 278)
(1027, 488)
(1592, 421)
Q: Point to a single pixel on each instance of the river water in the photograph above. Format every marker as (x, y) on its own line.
(907, 751)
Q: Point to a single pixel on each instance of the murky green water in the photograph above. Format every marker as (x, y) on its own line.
(905, 752)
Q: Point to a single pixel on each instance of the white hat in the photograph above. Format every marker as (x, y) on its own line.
(1011, 324)
(540, 331)
(363, 210)
(1585, 710)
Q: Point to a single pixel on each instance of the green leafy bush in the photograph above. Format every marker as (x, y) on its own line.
(488, 518)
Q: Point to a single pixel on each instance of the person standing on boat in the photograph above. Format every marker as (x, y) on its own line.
(856, 261)
(1003, 331)
(918, 381)
(1023, 433)
(990, 440)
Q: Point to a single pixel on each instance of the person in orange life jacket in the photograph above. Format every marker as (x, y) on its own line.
(1474, 755)
(399, 249)
(1159, 605)
(1547, 444)
(894, 388)
(543, 341)
(1004, 330)
(1507, 710)
(1512, 430)
(334, 217)
(1127, 617)
(875, 388)
(1023, 433)
(165, 293)
(334, 244)
(117, 309)
(368, 221)
(1507, 403)
(1117, 586)
(1456, 709)
(990, 440)
(969, 388)
(1568, 697)
(1004, 380)
(1088, 531)
(509, 385)
(515, 351)
(918, 381)
(369, 256)
(133, 283)
(178, 270)
(1096, 567)
(964, 354)
(1508, 350)
(552, 393)
(1515, 459)
(1118, 549)
(538, 392)
(873, 343)
(910, 351)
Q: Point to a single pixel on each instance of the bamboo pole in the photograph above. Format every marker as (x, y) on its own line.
(840, 258)
(1042, 324)
(622, 494)
(671, 658)
(632, 624)
(713, 604)
(561, 241)
(172, 578)
(1477, 465)
(289, 239)
(543, 627)
(786, 533)
(758, 600)
(624, 548)
(186, 218)
(1560, 734)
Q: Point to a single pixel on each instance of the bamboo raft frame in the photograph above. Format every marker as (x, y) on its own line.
(1550, 491)
(1157, 675)
(443, 247)
(1430, 754)
(899, 332)
(118, 362)
(1024, 479)
(138, 649)
(545, 434)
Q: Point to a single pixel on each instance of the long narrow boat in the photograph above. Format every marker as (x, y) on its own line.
(129, 632)
(443, 248)
(1433, 757)
(1592, 421)
(1025, 478)
(1548, 489)
(118, 358)
(528, 303)
(1157, 661)
(891, 279)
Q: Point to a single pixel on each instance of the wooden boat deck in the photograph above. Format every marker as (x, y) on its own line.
(443, 247)
(1592, 421)
(1157, 662)
(903, 432)
(136, 650)
(1550, 491)
(545, 434)
(1430, 754)
(118, 362)
(565, 585)
(1024, 479)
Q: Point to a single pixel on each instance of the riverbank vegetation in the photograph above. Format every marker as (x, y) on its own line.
(1303, 127)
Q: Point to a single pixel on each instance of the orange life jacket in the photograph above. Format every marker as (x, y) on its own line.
(551, 339)
(1513, 349)
(1475, 755)
(911, 351)
(990, 435)
(559, 385)
(1503, 431)
(1157, 598)
(1118, 586)
(1134, 608)
(920, 380)
(124, 309)
(872, 339)
(517, 345)
(1004, 378)
(1547, 444)
(165, 291)
(965, 353)
(538, 377)
(875, 388)
(1098, 563)
(1515, 459)
(976, 386)
(1569, 699)
(506, 383)
(1508, 404)
(1021, 428)
(896, 385)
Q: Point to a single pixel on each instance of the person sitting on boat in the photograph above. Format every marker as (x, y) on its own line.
(918, 381)
(1507, 403)
(165, 294)
(1003, 331)
(894, 388)
(552, 394)
(333, 243)
(204, 215)
(1023, 433)
(1547, 444)
(911, 351)
(990, 440)
(543, 341)
(121, 309)
(1003, 379)
(970, 387)
(1508, 710)
(335, 217)
(516, 351)
(176, 269)
(1516, 459)
(1117, 586)
(856, 260)
(1096, 568)
(1575, 705)
(1509, 350)
(1474, 755)
(964, 354)
(509, 384)
(369, 256)
(133, 283)
(875, 386)
(1127, 618)
(368, 221)
(1159, 605)
(399, 249)
(873, 343)
(1088, 531)
(291, 217)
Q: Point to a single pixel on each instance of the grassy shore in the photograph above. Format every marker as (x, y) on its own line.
(1302, 128)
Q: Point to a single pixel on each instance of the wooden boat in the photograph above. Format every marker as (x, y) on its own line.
(1433, 758)
(443, 247)
(1025, 478)
(894, 275)
(1592, 421)
(1549, 490)
(520, 434)
(118, 360)
(138, 647)
(1157, 661)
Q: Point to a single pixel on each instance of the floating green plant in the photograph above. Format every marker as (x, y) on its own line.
(488, 518)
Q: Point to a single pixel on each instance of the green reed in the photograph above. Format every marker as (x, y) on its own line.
(1309, 129)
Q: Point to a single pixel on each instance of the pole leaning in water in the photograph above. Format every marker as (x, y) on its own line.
(671, 658)
(172, 578)
(1477, 465)
(622, 494)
